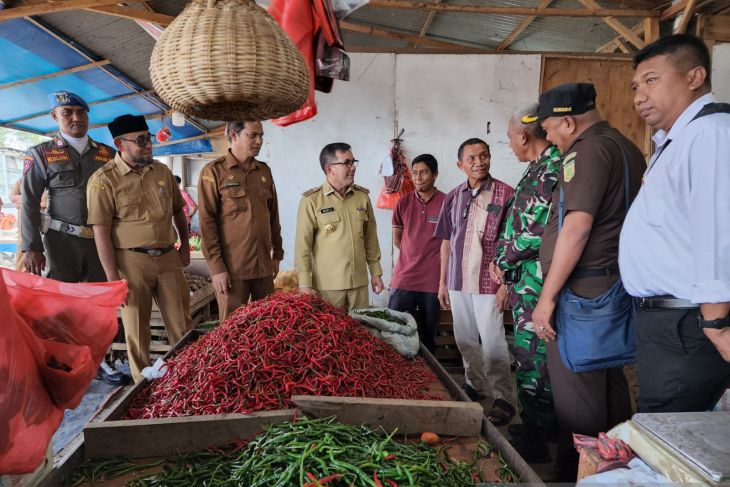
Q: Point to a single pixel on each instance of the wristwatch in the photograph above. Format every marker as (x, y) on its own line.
(721, 323)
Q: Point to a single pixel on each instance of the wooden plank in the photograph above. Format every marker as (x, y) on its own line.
(716, 28)
(55, 74)
(521, 27)
(651, 29)
(615, 24)
(612, 45)
(27, 8)
(445, 340)
(389, 34)
(170, 436)
(155, 347)
(673, 10)
(481, 9)
(407, 416)
(133, 14)
(687, 13)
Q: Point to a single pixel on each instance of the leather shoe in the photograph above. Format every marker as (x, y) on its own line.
(472, 393)
(107, 373)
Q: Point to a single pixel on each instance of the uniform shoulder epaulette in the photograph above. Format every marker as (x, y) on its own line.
(363, 189)
(108, 166)
(311, 191)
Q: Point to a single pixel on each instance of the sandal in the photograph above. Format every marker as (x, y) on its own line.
(501, 413)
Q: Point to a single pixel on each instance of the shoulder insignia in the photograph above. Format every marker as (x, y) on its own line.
(208, 178)
(569, 167)
(28, 162)
(364, 190)
(108, 166)
(96, 184)
(311, 191)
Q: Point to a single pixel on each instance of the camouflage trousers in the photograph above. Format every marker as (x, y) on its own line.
(534, 393)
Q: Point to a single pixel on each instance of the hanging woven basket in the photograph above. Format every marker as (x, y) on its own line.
(228, 60)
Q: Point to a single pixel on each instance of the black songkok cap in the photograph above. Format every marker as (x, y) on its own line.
(126, 124)
(567, 99)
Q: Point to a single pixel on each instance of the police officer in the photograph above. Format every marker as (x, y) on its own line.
(133, 201)
(239, 220)
(675, 245)
(583, 254)
(63, 166)
(337, 241)
(517, 263)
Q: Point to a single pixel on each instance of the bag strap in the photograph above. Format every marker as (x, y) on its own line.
(561, 201)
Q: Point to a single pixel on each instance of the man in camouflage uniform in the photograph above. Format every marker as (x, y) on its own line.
(517, 263)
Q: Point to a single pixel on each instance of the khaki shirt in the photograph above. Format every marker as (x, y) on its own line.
(239, 218)
(138, 206)
(337, 239)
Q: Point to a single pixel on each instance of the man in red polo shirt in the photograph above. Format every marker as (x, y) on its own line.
(415, 284)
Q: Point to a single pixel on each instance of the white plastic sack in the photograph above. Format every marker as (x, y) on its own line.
(402, 337)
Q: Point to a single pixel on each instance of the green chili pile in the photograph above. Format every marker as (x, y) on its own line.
(274, 348)
(312, 453)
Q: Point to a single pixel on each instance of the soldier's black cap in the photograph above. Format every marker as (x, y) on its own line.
(126, 124)
(567, 99)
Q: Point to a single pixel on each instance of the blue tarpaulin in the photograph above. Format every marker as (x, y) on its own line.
(29, 51)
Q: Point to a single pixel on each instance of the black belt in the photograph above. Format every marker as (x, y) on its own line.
(664, 302)
(582, 272)
(152, 252)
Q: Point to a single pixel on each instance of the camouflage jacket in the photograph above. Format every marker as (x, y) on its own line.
(529, 210)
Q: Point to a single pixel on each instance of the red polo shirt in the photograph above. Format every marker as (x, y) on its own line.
(418, 264)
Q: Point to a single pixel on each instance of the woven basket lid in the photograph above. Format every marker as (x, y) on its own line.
(228, 60)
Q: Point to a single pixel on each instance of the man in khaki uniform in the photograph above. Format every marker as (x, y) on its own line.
(239, 220)
(133, 201)
(337, 241)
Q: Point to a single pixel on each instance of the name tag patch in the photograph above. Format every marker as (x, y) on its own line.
(327, 210)
(433, 219)
(231, 184)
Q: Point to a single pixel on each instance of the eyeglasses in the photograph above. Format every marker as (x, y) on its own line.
(346, 162)
(141, 141)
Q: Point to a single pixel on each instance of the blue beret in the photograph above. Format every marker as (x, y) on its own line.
(567, 99)
(66, 99)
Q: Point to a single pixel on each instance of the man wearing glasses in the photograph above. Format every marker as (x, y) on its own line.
(337, 241)
(133, 202)
(469, 227)
(62, 167)
(239, 220)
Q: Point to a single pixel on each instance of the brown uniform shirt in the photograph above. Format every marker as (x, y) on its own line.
(238, 213)
(137, 205)
(592, 177)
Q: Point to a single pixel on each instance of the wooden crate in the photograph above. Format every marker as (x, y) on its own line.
(200, 312)
(447, 353)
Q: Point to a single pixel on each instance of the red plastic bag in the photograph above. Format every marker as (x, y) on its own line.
(297, 19)
(400, 182)
(52, 339)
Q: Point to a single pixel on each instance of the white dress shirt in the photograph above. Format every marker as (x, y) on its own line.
(676, 237)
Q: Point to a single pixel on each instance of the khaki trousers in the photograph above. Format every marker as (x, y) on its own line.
(159, 278)
(348, 299)
(240, 291)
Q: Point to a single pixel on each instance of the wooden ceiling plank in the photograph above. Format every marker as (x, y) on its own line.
(388, 34)
(615, 24)
(28, 8)
(133, 14)
(521, 27)
(524, 11)
(55, 74)
(683, 21)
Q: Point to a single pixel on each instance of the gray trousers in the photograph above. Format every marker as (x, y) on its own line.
(72, 259)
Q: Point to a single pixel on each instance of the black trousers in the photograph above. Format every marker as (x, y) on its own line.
(425, 309)
(680, 370)
(586, 403)
(72, 259)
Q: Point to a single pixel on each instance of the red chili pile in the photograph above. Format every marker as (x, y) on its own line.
(273, 348)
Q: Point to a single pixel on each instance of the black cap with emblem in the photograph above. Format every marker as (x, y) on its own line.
(126, 124)
(567, 99)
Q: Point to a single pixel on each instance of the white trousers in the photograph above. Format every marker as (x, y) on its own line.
(486, 365)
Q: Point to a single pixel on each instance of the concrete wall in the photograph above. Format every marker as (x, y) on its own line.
(440, 100)
(721, 71)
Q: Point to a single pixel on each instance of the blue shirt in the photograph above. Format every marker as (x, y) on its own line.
(676, 237)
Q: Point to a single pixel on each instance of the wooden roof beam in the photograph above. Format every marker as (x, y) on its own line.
(26, 8)
(520, 28)
(683, 21)
(615, 24)
(55, 74)
(481, 9)
(389, 34)
(133, 14)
